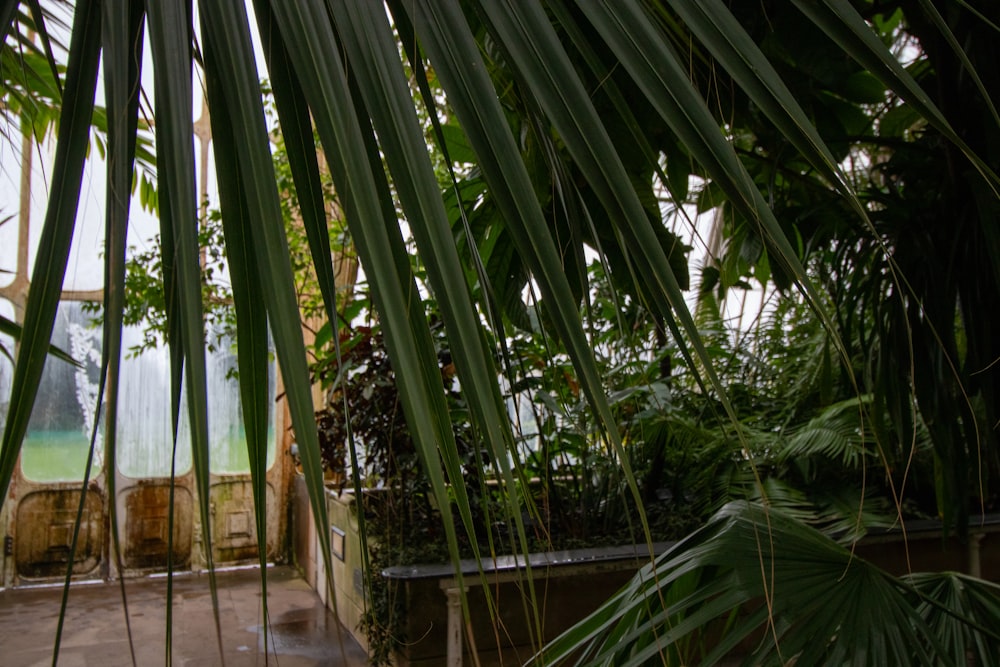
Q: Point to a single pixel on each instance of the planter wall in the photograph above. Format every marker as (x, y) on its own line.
(348, 598)
(348, 564)
(568, 585)
(926, 549)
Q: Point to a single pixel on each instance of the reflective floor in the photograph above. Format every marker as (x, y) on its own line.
(302, 632)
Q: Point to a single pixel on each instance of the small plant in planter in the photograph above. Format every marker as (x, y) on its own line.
(363, 407)
(687, 461)
(402, 525)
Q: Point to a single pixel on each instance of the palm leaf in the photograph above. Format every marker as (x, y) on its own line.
(122, 28)
(222, 36)
(842, 22)
(297, 133)
(13, 329)
(57, 233)
(962, 611)
(839, 432)
(383, 87)
(370, 214)
(169, 30)
(38, 18)
(8, 9)
(768, 589)
(447, 40)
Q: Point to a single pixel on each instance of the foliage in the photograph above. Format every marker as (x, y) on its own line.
(899, 279)
(848, 148)
(757, 584)
(145, 293)
(365, 443)
(31, 91)
(31, 63)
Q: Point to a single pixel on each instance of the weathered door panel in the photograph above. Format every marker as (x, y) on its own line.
(43, 530)
(147, 526)
(56, 456)
(41, 513)
(234, 529)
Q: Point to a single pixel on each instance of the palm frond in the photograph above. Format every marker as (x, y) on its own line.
(839, 433)
(962, 611)
(576, 117)
(757, 585)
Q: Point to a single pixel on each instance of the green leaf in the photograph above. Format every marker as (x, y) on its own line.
(13, 329)
(169, 30)
(57, 232)
(842, 23)
(459, 148)
(226, 54)
(297, 132)
(756, 574)
(371, 219)
(122, 29)
(899, 121)
(864, 88)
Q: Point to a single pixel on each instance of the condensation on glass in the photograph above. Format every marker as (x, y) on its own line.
(144, 427)
(57, 444)
(6, 367)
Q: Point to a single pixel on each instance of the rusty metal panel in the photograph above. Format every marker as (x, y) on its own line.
(147, 525)
(234, 531)
(44, 533)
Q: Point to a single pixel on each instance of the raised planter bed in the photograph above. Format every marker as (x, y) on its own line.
(568, 586)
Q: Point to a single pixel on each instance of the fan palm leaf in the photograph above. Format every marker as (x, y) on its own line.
(760, 586)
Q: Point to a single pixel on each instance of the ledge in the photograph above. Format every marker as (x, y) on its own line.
(626, 555)
(633, 554)
(926, 528)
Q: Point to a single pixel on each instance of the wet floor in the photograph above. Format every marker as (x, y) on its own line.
(301, 631)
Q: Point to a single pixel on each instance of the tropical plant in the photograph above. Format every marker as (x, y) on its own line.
(756, 584)
(576, 115)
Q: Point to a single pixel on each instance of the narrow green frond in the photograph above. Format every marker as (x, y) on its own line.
(297, 133)
(312, 49)
(57, 233)
(170, 30)
(659, 73)
(123, 30)
(38, 18)
(447, 39)
(842, 23)
(13, 329)
(249, 300)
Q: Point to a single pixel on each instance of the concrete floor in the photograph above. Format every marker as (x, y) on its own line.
(302, 632)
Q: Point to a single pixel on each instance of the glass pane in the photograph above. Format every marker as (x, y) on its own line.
(144, 415)
(145, 442)
(228, 454)
(58, 440)
(6, 365)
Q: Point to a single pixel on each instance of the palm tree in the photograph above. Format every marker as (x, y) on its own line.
(573, 112)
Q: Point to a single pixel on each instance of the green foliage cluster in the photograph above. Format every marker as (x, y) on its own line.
(145, 295)
(848, 149)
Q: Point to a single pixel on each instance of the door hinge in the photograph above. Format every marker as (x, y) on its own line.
(8, 545)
